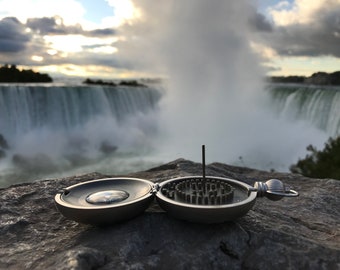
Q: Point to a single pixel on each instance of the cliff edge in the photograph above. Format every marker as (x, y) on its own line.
(294, 233)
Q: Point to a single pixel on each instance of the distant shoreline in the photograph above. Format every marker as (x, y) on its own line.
(318, 78)
(133, 83)
(11, 74)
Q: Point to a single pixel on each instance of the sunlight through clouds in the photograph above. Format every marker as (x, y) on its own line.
(299, 12)
(124, 12)
(77, 43)
(37, 58)
(41, 33)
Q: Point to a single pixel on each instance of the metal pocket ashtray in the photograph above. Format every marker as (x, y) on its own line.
(202, 199)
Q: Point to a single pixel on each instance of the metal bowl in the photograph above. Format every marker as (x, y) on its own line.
(105, 201)
(236, 203)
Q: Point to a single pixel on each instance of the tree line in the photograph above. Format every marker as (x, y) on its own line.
(11, 74)
(318, 78)
(320, 163)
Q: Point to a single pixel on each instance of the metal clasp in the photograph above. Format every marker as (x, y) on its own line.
(155, 188)
(274, 190)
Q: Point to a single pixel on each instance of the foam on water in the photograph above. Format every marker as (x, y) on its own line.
(56, 129)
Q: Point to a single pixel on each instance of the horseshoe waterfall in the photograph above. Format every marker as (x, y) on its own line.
(55, 129)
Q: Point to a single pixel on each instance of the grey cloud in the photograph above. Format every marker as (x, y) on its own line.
(43, 25)
(13, 37)
(50, 26)
(86, 58)
(47, 25)
(259, 23)
(102, 32)
(18, 45)
(320, 37)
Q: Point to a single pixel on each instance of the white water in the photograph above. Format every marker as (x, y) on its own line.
(319, 105)
(59, 130)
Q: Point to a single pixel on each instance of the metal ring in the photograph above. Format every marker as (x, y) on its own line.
(291, 193)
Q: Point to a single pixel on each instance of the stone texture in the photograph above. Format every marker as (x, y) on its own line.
(298, 233)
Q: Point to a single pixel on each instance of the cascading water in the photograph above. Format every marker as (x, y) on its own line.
(319, 105)
(55, 128)
(25, 108)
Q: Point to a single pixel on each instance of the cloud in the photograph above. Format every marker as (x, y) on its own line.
(98, 60)
(13, 37)
(54, 43)
(124, 12)
(71, 11)
(55, 26)
(260, 23)
(298, 28)
(305, 29)
(299, 11)
(101, 32)
(52, 25)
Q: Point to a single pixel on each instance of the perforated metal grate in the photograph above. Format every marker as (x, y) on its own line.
(199, 191)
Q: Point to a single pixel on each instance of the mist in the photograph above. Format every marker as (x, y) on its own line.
(215, 90)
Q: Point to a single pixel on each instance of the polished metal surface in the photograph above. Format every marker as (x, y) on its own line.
(107, 197)
(202, 199)
(274, 190)
(105, 201)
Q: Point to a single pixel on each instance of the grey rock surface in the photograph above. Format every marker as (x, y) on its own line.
(294, 233)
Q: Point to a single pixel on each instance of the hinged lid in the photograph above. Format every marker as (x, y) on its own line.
(193, 198)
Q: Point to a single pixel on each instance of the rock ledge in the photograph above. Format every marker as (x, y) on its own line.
(299, 233)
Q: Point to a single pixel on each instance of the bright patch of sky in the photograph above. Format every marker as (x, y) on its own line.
(96, 10)
(302, 66)
(71, 11)
(263, 6)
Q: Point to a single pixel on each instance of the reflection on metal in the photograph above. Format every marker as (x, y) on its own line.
(274, 190)
(107, 197)
(105, 201)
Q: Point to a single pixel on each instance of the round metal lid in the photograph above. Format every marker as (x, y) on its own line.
(105, 201)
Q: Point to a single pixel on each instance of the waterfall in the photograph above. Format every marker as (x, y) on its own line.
(57, 129)
(315, 104)
(25, 108)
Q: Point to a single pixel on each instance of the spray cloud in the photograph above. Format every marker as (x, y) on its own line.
(215, 92)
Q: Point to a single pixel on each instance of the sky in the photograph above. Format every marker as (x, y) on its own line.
(88, 38)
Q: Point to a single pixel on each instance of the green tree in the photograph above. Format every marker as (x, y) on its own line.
(321, 164)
